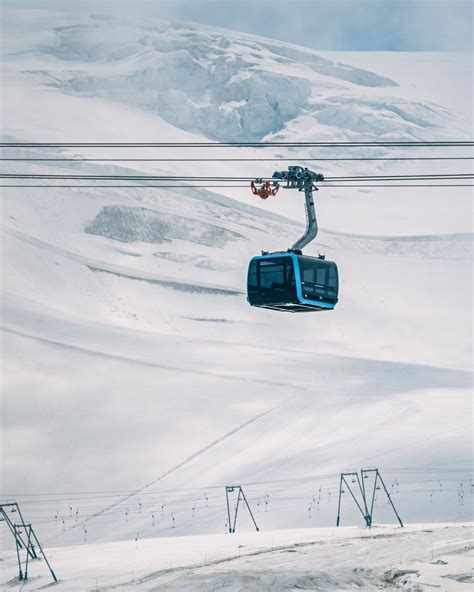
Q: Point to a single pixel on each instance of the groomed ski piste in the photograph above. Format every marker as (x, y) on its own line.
(137, 381)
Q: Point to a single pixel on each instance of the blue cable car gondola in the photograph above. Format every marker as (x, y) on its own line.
(290, 281)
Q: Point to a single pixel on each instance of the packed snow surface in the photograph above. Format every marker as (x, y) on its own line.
(417, 558)
(137, 380)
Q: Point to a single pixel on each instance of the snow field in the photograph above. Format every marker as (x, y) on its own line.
(415, 558)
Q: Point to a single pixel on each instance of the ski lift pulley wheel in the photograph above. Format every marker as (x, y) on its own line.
(264, 189)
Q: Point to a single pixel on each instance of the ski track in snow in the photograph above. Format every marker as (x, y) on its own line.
(180, 465)
(174, 285)
(91, 352)
(130, 273)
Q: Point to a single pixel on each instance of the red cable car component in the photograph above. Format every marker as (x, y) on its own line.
(265, 189)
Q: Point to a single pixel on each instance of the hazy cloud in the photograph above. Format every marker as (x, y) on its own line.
(395, 25)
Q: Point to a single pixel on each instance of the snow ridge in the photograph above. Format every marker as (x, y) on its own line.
(228, 86)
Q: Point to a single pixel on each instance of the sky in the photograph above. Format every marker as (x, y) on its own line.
(341, 25)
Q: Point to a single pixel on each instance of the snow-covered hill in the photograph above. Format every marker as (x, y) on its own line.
(225, 85)
(418, 558)
(134, 368)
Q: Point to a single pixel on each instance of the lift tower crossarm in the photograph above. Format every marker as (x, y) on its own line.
(303, 179)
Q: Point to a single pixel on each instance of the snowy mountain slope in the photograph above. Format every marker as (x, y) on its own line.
(417, 74)
(396, 264)
(226, 86)
(115, 336)
(128, 345)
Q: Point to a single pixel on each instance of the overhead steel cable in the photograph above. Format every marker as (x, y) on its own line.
(122, 492)
(118, 177)
(307, 144)
(297, 481)
(401, 177)
(97, 504)
(190, 186)
(275, 159)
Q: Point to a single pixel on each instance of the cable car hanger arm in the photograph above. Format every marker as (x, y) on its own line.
(311, 222)
(300, 178)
